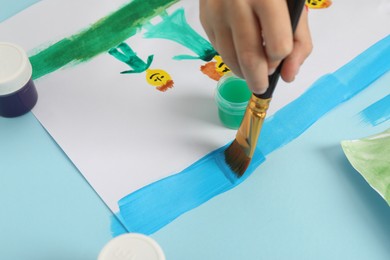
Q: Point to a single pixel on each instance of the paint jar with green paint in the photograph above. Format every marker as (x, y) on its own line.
(232, 96)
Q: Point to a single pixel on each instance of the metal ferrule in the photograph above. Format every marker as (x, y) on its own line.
(248, 133)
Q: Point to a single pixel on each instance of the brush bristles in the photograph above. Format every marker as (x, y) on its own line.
(237, 159)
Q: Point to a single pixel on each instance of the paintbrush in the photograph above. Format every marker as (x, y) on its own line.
(239, 154)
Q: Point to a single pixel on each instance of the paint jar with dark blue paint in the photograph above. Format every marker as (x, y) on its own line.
(18, 94)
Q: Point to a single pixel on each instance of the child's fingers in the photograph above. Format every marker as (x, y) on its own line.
(225, 47)
(249, 48)
(302, 48)
(276, 30)
(215, 21)
(206, 20)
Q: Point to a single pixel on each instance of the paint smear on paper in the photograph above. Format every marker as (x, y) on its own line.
(378, 112)
(318, 4)
(160, 79)
(100, 37)
(10, 8)
(154, 206)
(215, 69)
(149, 209)
(156, 77)
(117, 227)
(124, 53)
(174, 27)
(371, 158)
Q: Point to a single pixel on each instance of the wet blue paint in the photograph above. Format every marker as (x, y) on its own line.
(117, 227)
(154, 206)
(11, 7)
(325, 94)
(378, 112)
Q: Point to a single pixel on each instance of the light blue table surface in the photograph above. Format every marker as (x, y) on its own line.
(304, 202)
(8, 8)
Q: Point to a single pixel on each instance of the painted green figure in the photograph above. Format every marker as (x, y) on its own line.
(158, 78)
(125, 54)
(174, 27)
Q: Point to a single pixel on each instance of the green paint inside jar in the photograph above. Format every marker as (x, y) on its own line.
(232, 96)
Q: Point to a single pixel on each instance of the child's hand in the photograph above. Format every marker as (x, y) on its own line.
(254, 36)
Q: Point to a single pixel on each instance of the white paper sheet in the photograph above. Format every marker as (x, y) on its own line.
(120, 132)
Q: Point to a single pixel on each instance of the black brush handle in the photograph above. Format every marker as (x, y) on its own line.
(295, 8)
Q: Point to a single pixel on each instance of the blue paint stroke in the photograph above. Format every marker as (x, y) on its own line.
(9, 8)
(378, 112)
(150, 208)
(117, 227)
(154, 206)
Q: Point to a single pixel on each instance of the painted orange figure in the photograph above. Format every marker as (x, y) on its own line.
(215, 69)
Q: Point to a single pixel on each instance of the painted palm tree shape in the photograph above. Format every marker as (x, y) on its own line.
(155, 77)
(174, 27)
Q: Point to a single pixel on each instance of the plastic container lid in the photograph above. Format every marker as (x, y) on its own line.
(132, 246)
(15, 68)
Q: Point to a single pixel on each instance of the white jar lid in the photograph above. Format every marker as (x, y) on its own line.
(132, 246)
(15, 68)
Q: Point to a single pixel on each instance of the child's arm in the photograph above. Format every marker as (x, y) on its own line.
(238, 29)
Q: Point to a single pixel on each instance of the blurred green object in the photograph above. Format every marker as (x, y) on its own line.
(371, 158)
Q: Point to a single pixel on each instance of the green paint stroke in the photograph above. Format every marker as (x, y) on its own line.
(125, 54)
(371, 157)
(105, 34)
(175, 28)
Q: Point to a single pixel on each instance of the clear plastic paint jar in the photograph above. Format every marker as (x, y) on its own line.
(232, 96)
(18, 94)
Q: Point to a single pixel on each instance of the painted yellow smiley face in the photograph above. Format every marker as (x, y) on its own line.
(157, 77)
(318, 4)
(220, 66)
